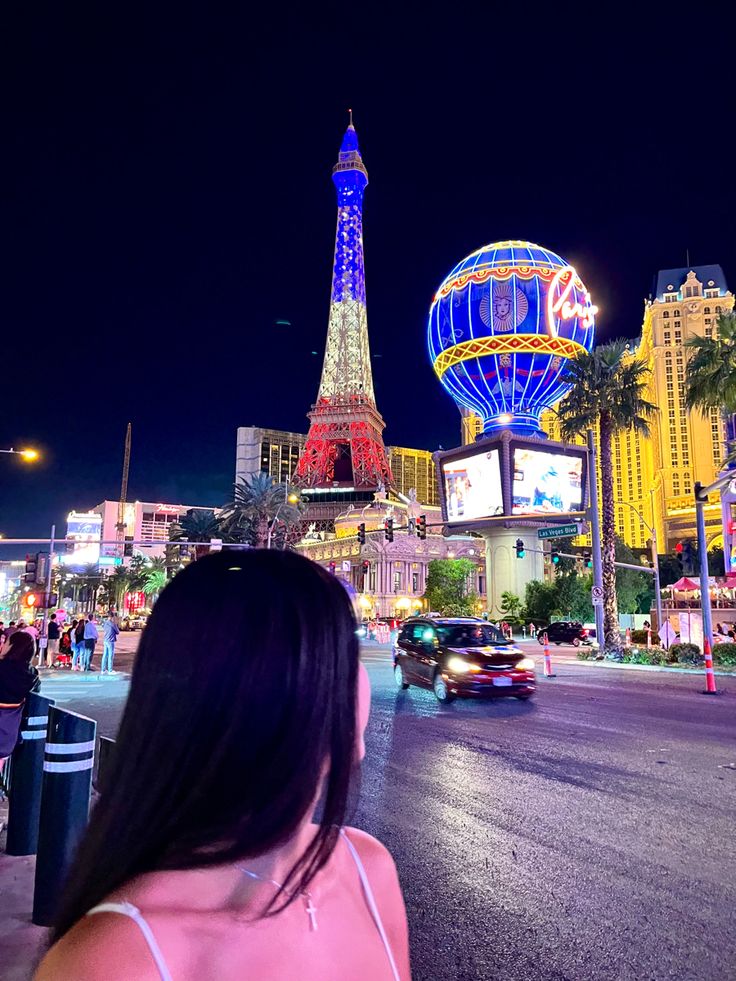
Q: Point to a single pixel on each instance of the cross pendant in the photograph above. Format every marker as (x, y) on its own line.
(311, 912)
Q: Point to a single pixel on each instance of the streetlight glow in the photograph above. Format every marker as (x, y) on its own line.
(29, 455)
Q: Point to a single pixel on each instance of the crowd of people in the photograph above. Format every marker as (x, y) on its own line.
(67, 641)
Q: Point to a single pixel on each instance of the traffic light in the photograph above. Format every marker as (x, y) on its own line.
(361, 533)
(422, 527)
(688, 558)
(555, 557)
(31, 568)
(679, 556)
(332, 568)
(587, 560)
(34, 600)
(520, 551)
(388, 529)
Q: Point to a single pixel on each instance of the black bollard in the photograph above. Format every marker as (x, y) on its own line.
(104, 755)
(67, 785)
(27, 763)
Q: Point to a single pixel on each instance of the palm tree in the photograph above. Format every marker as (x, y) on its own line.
(710, 379)
(197, 525)
(258, 505)
(154, 583)
(608, 390)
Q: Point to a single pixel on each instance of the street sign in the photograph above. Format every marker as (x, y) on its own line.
(559, 531)
(596, 595)
(345, 565)
(667, 634)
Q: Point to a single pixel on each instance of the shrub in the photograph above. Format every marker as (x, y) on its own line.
(686, 653)
(724, 654)
(588, 653)
(640, 637)
(640, 655)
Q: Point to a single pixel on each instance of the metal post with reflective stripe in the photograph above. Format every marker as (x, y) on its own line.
(67, 785)
(27, 777)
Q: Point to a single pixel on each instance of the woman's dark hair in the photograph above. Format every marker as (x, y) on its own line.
(243, 694)
(21, 647)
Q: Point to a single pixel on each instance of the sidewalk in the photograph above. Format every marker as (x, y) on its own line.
(21, 943)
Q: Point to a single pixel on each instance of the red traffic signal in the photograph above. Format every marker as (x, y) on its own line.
(679, 548)
(33, 600)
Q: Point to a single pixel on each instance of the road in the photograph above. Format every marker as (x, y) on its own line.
(586, 834)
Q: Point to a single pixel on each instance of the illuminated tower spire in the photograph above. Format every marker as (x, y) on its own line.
(344, 447)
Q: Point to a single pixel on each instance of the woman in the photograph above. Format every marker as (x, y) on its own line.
(77, 634)
(17, 678)
(202, 859)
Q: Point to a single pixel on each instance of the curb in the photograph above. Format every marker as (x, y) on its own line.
(650, 667)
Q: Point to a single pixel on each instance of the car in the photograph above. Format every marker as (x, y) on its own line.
(460, 656)
(565, 632)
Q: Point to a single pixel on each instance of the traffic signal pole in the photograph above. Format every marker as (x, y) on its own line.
(701, 498)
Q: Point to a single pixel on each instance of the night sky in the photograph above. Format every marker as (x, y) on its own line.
(167, 198)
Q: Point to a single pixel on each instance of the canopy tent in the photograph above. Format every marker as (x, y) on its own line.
(684, 585)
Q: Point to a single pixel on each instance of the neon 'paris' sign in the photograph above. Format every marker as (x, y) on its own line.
(562, 308)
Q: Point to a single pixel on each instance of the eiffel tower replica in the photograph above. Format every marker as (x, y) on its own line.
(344, 462)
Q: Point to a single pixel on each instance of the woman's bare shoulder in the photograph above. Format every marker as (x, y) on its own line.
(374, 855)
(103, 947)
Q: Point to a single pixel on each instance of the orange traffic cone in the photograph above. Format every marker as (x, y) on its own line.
(627, 642)
(710, 677)
(547, 660)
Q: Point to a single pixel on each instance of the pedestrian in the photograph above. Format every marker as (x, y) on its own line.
(52, 641)
(91, 636)
(18, 677)
(647, 625)
(110, 631)
(234, 870)
(78, 644)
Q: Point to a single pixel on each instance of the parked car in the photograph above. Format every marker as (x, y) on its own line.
(133, 623)
(565, 632)
(460, 656)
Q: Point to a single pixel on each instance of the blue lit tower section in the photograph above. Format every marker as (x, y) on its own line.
(344, 449)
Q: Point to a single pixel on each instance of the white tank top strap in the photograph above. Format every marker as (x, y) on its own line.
(131, 911)
(371, 902)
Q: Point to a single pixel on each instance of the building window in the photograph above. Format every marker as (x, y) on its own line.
(397, 581)
(718, 309)
(415, 582)
(708, 331)
(706, 309)
(666, 314)
(668, 337)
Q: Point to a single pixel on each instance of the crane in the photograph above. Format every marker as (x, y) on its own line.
(120, 527)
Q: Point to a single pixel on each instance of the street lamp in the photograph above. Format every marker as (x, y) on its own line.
(655, 558)
(28, 455)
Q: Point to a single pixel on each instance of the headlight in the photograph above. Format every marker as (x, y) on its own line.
(525, 664)
(458, 666)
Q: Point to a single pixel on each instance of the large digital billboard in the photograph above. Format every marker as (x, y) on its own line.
(83, 534)
(472, 487)
(546, 481)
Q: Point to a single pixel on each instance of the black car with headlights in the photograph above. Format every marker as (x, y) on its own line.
(460, 656)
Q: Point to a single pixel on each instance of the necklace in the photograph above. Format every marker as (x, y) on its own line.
(309, 908)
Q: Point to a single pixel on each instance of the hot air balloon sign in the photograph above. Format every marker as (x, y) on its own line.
(501, 328)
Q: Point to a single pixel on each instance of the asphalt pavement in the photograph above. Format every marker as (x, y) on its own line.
(588, 833)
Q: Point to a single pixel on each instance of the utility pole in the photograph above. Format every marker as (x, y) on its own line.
(595, 535)
(120, 527)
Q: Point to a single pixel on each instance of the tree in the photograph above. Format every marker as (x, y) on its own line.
(448, 587)
(710, 376)
(607, 392)
(541, 601)
(258, 506)
(154, 583)
(635, 590)
(510, 606)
